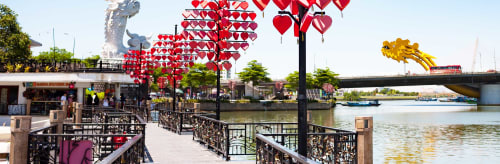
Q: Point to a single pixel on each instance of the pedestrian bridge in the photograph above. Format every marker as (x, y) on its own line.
(485, 86)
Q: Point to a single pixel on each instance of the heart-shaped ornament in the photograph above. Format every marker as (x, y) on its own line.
(341, 4)
(261, 4)
(195, 3)
(322, 23)
(322, 3)
(202, 54)
(244, 46)
(244, 5)
(236, 56)
(227, 65)
(252, 16)
(252, 36)
(186, 14)
(244, 35)
(244, 15)
(282, 23)
(282, 4)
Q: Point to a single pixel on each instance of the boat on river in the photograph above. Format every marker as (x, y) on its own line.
(362, 103)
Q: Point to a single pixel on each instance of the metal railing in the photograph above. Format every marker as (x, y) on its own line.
(239, 138)
(89, 142)
(74, 65)
(129, 152)
(177, 122)
(269, 151)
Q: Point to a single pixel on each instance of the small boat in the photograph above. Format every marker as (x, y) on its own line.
(362, 103)
(426, 99)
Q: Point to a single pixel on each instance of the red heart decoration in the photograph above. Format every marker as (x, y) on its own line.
(244, 5)
(227, 65)
(193, 33)
(322, 3)
(195, 3)
(211, 25)
(236, 35)
(282, 23)
(222, 3)
(193, 44)
(261, 4)
(306, 22)
(195, 13)
(210, 45)
(210, 65)
(235, 15)
(322, 23)
(236, 25)
(236, 56)
(244, 25)
(212, 35)
(252, 16)
(186, 14)
(202, 54)
(236, 4)
(236, 46)
(193, 24)
(202, 34)
(212, 14)
(341, 4)
(204, 3)
(244, 46)
(185, 24)
(203, 14)
(163, 70)
(252, 36)
(253, 26)
(282, 4)
(210, 55)
(213, 5)
(202, 24)
(229, 45)
(244, 15)
(244, 35)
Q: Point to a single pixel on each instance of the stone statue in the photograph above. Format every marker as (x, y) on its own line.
(135, 41)
(116, 20)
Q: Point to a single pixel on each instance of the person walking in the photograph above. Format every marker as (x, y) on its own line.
(95, 100)
(122, 100)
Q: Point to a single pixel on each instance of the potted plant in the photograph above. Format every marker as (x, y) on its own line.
(18, 67)
(9, 67)
(27, 69)
(47, 68)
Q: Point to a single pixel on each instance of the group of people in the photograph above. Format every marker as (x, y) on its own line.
(107, 101)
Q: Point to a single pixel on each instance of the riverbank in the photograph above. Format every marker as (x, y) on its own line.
(341, 98)
(263, 106)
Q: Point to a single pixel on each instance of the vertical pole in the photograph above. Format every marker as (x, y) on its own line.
(139, 85)
(20, 127)
(364, 128)
(217, 53)
(54, 40)
(302, 99)
(173, 75)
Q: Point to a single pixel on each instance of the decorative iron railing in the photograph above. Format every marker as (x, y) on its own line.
(32, 65)
(239, 138)
(177, 122)
(269, 151)
(130, 152)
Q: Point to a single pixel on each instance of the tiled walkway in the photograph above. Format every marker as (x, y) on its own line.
(167, 147)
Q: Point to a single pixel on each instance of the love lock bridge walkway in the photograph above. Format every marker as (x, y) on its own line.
(168, 147)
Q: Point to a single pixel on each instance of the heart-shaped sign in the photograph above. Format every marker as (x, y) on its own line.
(341, 4)
(244, 15)
(245, 25)
(185, 24)
(210, 55)
(252, 36)
(211, 25)
(244, 46)
(244, 35)
(322, 23)
(202, 54)
(282, 4)
(235, 15)
(186, 14)
(227, 65)
(322, 3)
(210, 65)
(244, 5)
(202, 34)
(202, 44)
(193, 24)
(202, 24)
(213, 5)
(253, 26)
(236, 46)
(195, 3)
(236, 35)
(236, 25)
(195, 13)
(252, 16)
(236, 56)
(236, 4)
(261, 4)
(282, 23)
(203, 14)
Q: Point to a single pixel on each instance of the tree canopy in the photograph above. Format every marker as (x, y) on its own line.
(254, 73)
(14, 44)
(55, 53)
(322, 76)
(199, 75)
(293, 80)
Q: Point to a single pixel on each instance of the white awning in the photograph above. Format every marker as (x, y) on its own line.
(66, 77)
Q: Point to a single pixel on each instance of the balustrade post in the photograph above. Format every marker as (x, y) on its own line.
(78, 114)
(57, 118)
(28, 107)
(64, 107)
(364, 128)
(20, 127)
(196, 107)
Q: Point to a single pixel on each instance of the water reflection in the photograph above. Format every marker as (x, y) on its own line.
(411, 132)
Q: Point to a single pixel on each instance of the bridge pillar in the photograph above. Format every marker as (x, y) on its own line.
(490, 94)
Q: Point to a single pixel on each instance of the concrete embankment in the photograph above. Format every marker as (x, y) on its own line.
(260, 106)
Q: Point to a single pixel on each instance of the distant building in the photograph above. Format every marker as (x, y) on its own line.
(225, 75)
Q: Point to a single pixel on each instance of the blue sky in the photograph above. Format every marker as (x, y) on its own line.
(446, 29)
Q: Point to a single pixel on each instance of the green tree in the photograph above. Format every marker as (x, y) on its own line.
(353, 96)
(91, 61)
(254, 73)
(322, 76)
(14, 44)
(199, 75)
(57, 54)
(293, 80)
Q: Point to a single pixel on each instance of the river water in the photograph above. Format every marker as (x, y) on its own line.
(410, 131)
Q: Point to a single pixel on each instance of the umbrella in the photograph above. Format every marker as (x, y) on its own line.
(179, 91)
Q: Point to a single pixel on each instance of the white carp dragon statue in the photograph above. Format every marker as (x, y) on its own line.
(117, 14)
